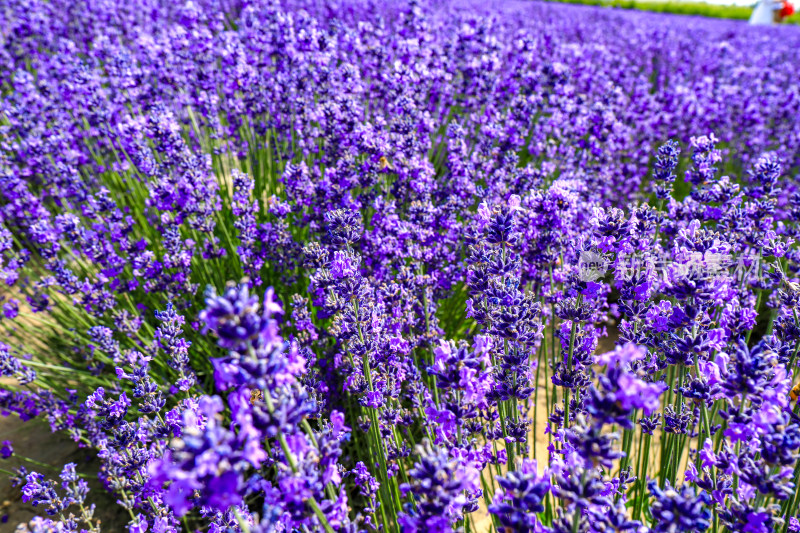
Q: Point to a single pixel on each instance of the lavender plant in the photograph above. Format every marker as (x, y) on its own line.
(283, 265)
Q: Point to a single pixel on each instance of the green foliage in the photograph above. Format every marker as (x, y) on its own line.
(680, 8)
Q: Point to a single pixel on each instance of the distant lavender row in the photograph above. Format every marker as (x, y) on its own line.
(336, 266)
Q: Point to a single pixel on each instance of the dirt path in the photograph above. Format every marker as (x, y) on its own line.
(34, 440)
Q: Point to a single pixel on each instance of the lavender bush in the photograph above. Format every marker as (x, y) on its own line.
(345, 266)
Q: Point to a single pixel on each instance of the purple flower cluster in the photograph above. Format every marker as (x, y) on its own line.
(43, 492)
(284, 265)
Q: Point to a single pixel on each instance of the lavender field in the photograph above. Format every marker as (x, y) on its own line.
(355, 266)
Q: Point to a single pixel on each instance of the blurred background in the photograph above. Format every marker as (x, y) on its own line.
(723, 9)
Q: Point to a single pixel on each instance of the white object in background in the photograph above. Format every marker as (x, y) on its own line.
(764, 12)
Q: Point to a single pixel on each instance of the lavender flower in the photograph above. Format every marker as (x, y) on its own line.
(466, 209)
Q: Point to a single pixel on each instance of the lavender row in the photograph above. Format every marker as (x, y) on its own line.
(337, 266)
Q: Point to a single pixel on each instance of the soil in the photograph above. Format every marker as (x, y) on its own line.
(33, 440)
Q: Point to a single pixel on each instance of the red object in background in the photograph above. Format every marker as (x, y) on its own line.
(787, 10)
